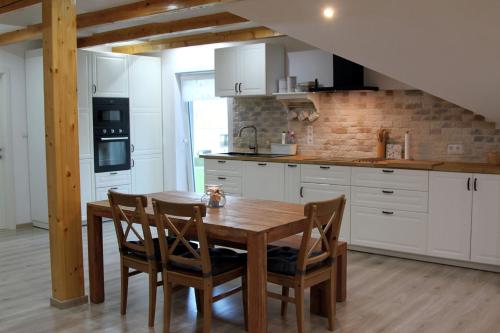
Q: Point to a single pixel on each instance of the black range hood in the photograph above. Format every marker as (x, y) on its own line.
(347, 75)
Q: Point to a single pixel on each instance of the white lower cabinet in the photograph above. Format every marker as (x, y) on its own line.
(230, 184)
(147, 174)
(450, 209)
(320, 192)
(86, 185)
(389, 229)
(263, 180)
(485, 243)
(102, 192)
(292, 183)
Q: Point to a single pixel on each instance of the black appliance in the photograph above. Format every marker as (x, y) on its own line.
(111, 134)
(347, 75)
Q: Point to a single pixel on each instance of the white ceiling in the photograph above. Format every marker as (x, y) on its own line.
(449, 48)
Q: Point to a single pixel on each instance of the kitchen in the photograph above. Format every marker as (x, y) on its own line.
(262, 117)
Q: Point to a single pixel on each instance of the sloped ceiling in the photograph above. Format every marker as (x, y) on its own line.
(449, 48)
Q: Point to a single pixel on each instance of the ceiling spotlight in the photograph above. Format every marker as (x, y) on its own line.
(328, 12)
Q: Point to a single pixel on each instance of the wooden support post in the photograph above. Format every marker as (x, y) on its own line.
(63, 170)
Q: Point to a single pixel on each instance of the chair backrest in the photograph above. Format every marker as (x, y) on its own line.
(178, 219)
(128, 213)
(326, 218)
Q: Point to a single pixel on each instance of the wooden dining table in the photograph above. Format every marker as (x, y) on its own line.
(247, 222)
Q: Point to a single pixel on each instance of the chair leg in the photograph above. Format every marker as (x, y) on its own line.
(167, 294)
(124, 289)
(153, 279)
(331, 292)
(198, 296)
(299, 307)
(245, 299)
(285, 291)
(207, 308)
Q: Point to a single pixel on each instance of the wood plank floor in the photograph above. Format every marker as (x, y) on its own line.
(384, 295)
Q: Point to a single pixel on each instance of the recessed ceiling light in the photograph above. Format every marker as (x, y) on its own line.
(328, 12)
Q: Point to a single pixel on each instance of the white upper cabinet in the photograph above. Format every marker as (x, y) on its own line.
(262, 180)
(450, 209)
(85, 104)
(248, 70)
(110, 75)
(485, 244)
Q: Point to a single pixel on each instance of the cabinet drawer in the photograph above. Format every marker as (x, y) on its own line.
(390, 230)
(264, 180)
(325, 174)
(102, 192)
(223, 167)
(391, 178)
(107, 179)
(413, 201)
(230, 185)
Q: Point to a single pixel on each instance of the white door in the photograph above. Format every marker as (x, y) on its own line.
(292, 183)
(86, 185)
(226, 72)
(110, 75)
(485, 244)
(252, 69)
(450, 209)
(264, 181)
(147, 174)
(321, 192)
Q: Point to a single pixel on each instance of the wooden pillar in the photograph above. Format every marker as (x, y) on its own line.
(63, 169)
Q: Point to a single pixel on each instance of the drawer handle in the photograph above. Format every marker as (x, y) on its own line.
(221, 162)
(114, 188)
(262, 164)
(302, 191)
(113, 173)
(324, 167)
(292, 165)
(221, 178)
(387, 213)
(387, 192)
(475, 184)
(387, 171)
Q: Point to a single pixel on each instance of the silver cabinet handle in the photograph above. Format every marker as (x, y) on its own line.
(94, 89)
(236, 87)
(239, 87)
(115, 138)
(133, 163)
(132, 148)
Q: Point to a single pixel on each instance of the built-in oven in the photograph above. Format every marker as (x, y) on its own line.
(111, 134)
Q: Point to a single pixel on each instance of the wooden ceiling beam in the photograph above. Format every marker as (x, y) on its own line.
(11, 5)
(153, 29)
(120, 13)
(200, 39)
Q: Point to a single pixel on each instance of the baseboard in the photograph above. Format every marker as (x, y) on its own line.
(69, 303)
(24, 225)
(449, 262)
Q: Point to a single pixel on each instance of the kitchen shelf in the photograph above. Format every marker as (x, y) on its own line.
(299, 102)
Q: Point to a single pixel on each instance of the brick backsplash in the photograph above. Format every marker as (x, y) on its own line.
(349, 121)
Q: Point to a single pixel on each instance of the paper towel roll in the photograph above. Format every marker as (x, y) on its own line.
(407, 146)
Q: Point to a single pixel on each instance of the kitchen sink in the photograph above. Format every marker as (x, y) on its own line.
(234, 153)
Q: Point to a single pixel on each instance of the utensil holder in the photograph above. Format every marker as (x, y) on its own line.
(380, 149)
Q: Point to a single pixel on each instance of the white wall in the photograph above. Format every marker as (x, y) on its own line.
(12, 59)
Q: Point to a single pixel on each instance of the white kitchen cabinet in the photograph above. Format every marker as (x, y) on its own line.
(248, 70)
(102, 192)
(412, 201)
(310, 192)
(326, 174)
(485, 243)
(85, 128)
(292, 182)
(109, 75)
(87, 185)
(231, 185)
(263, 180)
(388, 229)
(147, 174)
(450, 209)
(415, 180)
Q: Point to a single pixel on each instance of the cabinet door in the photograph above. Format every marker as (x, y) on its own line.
(252, 69)
(322, 192)
(226, 71)
(264, 181)
(485, 245)
(86, 184)
(292, 183)
(450, 209)
(110, 75)
(147, 174)
(102, 192)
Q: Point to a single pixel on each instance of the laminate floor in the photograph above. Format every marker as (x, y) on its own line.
(384, 295)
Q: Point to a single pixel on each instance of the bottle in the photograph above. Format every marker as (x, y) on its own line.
(283, 138)
(407, 145)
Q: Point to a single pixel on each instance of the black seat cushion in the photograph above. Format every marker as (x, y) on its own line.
(180, 249)
(283, 260)
(222, 260)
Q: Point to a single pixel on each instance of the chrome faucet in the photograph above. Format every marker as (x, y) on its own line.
(255, 146)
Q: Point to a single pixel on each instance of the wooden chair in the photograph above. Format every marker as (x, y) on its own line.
(313, 263)
(137, 254)
(201, 269)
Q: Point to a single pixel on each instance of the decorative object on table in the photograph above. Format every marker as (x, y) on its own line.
(494, 158)
(282, 85)
(382, 137)
(291, 83)
(407, 145)
(214, 196)
(284, 149)
(394, 151)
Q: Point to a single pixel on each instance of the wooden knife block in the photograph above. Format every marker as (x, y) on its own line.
(381, 150)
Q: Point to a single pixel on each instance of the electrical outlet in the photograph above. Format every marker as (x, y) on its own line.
(455, 149)
(310, 135)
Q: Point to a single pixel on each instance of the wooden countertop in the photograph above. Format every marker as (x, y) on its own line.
(393, 164)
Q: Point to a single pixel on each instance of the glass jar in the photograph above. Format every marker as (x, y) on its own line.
(214, 196)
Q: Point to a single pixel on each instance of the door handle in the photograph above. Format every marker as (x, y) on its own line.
(221, 162)
(239, 87)
(387, 213)
(475, 184)
(468, 184)
(262, 164)
(387, 192)
(236, 87)
(302, 191)
(94, 89)
(132, 148)
(324, 167)
(133, 163)
(387, 171)
(221, 178)
(1, 149)
(292, 165)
